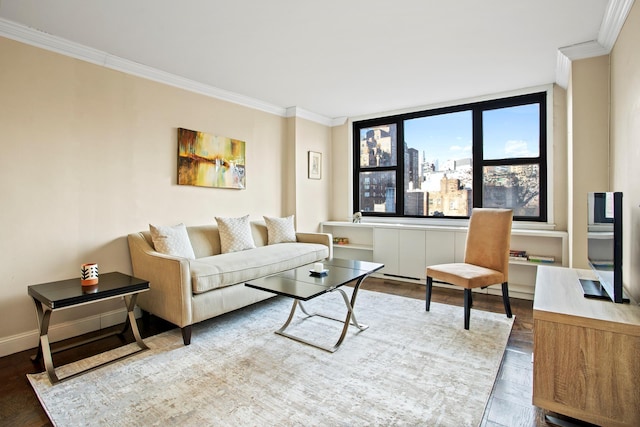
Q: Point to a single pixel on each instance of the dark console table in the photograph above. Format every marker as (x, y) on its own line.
(54, 296)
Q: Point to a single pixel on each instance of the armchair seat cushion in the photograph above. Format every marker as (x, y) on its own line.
(465, 275)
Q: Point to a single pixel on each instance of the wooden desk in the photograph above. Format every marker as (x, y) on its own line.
(586, 352)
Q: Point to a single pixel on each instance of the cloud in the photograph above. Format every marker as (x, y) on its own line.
(460, 148)
(516, 148)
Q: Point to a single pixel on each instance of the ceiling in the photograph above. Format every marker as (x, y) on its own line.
(334, 58)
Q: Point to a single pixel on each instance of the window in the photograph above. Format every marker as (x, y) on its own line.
(444, 162)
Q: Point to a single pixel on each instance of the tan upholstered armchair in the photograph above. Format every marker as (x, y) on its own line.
(486, 259)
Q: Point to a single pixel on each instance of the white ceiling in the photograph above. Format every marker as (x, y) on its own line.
(335, 58)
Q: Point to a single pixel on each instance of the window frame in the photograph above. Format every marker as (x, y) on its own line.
(478, 162)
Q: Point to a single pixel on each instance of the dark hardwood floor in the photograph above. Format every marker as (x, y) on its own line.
(509, 404)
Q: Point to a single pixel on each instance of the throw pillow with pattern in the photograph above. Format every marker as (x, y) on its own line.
(280, 230)
(235, 234)
(172, 240)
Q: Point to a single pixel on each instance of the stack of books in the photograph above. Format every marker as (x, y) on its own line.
(542, 258)
(515, 255)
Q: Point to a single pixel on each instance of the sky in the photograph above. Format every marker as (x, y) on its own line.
(508, 132)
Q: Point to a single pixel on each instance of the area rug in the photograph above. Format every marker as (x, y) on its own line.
(410, 367)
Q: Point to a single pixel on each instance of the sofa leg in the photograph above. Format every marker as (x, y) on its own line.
(186, 335)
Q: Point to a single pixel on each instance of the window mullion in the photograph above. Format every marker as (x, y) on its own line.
(477, 157)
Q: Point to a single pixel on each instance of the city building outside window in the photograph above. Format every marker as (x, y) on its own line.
(446, 161)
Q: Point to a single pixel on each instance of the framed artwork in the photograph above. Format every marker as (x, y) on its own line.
(315, 165)
(207, 160)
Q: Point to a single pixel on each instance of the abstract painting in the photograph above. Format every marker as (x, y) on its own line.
(207, 160)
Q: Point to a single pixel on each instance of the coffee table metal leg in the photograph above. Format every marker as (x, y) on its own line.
(349, 320)
(290, 318)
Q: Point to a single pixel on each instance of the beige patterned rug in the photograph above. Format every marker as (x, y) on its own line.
(409, 368)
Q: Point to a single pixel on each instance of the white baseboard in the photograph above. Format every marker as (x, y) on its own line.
(64, 330)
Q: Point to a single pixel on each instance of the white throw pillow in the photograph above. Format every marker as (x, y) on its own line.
(280, 230)
(235, 234)
(172, 240)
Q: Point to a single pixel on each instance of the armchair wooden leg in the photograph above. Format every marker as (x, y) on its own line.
(429, 289)
(505, 299)
(467, 307)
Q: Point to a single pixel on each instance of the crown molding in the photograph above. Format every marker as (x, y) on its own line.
(563, 69)
(314, 117)
(40, 39)
(565, 55)
(309, 115)
(614, 17)
(612, 22)
(338, 121)
(589, 49)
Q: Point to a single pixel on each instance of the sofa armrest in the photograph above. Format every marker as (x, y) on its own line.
(321, 238)
(169, 277)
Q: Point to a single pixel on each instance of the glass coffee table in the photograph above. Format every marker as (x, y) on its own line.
(301, 284)
(54, 296)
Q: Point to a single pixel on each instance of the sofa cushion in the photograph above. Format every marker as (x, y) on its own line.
(280, 230)
(235, 234)
(236, 267)
(172, 240)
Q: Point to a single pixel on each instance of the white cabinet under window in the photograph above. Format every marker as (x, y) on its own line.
(412, 253)
(406, 250)
(401, 251)
(440, 247)
(386, 243)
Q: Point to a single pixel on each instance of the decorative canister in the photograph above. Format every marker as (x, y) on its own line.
(89, 274)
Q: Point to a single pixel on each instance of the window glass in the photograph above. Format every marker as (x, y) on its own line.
(511, 132)
(514, 187)
(378, 146)
(378, 191)
(439, 165)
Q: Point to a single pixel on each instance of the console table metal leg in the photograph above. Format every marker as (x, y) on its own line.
(45, 352)
(44, 347)
(131, 320)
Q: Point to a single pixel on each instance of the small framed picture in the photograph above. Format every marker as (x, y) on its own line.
(315, 165)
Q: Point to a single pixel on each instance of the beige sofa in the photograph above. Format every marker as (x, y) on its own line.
(186, 291)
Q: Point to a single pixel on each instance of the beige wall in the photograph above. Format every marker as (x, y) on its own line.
(625, 141)
(89, 155)
(312, 195)
(588, 147)
(342, 172)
